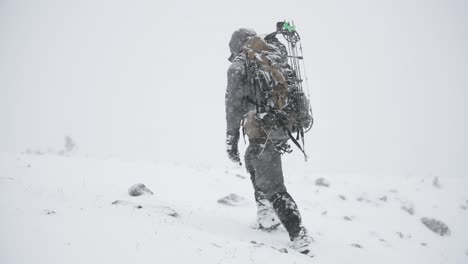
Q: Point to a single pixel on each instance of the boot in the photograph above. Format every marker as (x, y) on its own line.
(266, 216)
(302, 242)
(289, 215)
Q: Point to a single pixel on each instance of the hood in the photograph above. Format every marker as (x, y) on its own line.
(238, 39)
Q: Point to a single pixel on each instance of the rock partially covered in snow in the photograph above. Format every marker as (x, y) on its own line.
(436, 183)
(233, 200)
(409, 208)
(436, 226)
(322, 182)
(139, 189)
(403, 236)
(49, 212)
(356, 245)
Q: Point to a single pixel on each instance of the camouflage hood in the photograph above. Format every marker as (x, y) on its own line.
(238, 39)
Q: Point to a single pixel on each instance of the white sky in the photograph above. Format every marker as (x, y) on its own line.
(146, 79)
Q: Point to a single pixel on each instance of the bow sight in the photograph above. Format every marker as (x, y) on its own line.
(288, 30)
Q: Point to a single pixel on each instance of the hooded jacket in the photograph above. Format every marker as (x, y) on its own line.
(239, 89)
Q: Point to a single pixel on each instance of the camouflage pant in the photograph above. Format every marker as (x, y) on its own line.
(264, 166)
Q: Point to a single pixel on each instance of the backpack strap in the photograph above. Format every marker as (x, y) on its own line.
(296, 142)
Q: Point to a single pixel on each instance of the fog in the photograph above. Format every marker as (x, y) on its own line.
(146, 79)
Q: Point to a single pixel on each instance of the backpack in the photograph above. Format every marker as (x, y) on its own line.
(279, 100)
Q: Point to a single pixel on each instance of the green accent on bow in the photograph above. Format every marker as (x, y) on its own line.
(289, 27)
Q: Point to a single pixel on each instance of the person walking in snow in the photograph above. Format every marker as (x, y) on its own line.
(275, 205)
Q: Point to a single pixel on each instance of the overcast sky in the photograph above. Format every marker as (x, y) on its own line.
(146, 79)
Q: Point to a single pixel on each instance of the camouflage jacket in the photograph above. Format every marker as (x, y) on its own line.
(239, 89)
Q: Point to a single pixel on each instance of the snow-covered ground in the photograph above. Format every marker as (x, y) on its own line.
(59, 209)
(146, 79)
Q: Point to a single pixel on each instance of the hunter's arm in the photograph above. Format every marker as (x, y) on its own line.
(234, 98)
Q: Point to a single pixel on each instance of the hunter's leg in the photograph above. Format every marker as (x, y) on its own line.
(269, 179)
(266, 216)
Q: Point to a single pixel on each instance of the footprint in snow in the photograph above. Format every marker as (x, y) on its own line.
(166, 210)
(233, 200)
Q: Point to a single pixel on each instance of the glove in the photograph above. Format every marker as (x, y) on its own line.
(231, 147)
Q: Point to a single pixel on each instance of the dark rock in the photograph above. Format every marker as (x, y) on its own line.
(240, 176)
(347, 218)
(215, 245)
(256, 244)
(282, 250)
(436, 183)
(342, 197)
(232, 200)
(49, 212)
(322, 182)
(356, 245)
(70, 144)
(383, 198)
(408, 208)
(402, 236)
(424, 244)
(436, 226)
(363, 198)
(172, 212)
(139, 189)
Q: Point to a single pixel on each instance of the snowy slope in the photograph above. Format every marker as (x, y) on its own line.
(58, 209)
(146, 80)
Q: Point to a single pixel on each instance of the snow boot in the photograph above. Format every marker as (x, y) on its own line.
(288, 213)
(266, 216)
(303, 242)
